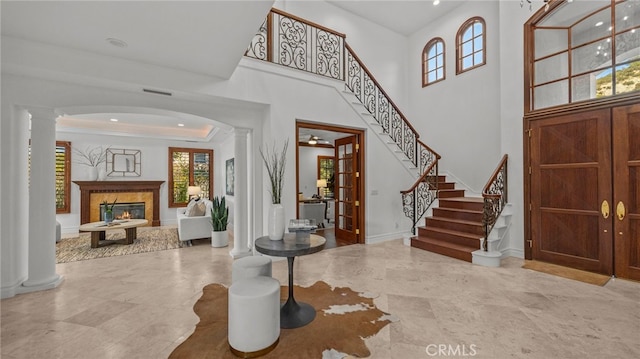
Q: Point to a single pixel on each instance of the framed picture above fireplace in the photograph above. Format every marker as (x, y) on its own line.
(123, 163)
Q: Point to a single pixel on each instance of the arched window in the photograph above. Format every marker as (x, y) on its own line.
(471, 45)
(433, 62)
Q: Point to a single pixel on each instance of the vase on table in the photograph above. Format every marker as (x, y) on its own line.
(108, 217)
(276, 222)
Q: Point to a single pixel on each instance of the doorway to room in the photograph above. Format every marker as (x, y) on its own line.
(330, 181)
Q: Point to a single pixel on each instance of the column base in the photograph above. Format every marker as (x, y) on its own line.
(35, 287)
(239, 254)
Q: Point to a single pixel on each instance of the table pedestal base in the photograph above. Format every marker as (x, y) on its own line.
(296, 315)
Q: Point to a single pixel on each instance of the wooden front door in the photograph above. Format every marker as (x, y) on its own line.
(570, 180)
(626, 183)
(346, 189)
(585, 190)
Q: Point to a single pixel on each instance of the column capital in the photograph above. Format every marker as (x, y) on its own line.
(42, 113)
(241, 132)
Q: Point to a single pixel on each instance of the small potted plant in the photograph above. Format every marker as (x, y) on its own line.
(219, 221)
(108, 210)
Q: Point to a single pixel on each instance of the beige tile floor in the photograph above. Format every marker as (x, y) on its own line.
(140, 306)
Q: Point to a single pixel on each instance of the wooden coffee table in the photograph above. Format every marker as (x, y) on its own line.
(98, 231)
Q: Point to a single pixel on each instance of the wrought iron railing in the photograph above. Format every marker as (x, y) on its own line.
(291, 41)
(495, 197)
(417, 200)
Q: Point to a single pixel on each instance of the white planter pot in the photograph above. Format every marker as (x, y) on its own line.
(92, 173)
(276, 222)
(219, 239)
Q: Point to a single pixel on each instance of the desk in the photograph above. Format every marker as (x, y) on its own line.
(292, 313)
(98, 230)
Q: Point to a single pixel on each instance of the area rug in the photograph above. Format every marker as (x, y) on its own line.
(149, 239)
(344, 318)
(566, 272)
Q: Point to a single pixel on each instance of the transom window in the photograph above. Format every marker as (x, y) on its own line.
(470, 45)
(583, 50)
(433, 62)
(189, 167)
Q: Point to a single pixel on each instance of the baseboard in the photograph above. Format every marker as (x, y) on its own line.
(384, 237)
(512, 252)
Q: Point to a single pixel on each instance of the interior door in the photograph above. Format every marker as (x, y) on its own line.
(571, 191)
(626, 178)
(346, 189)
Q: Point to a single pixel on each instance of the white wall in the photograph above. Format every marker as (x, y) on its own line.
(383, 51)
(460, 117)
(223, 152)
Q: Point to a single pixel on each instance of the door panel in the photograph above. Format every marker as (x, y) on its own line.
(626, 157)
(346, 184)
(570, 178)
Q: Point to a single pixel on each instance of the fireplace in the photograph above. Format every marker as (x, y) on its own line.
(93, 193)
(133, 210)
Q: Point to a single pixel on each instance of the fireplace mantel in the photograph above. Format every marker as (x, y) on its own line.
(89, 187)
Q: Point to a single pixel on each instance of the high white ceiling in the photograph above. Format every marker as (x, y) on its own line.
(207, 38)
(202, 37)
(402, 16)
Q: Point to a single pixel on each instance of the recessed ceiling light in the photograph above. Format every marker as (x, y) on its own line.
(114, 120)
(181, 125)
(599, 23)
(625, 18)
(116, 42)
(436, 2)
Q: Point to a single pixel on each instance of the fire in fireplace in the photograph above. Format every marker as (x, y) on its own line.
(133, 210)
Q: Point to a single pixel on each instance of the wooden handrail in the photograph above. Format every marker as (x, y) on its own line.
(310, 23)
(366, 70)
(429, 148)
(421, 179)
(485, 190)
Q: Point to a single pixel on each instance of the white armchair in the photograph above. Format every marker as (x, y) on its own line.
(194, 227)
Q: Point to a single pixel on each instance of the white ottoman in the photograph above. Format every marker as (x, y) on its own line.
(254, 316)
(249, 267)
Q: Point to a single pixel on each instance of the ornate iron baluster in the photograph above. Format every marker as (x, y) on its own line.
(495, 198)
(258, 47)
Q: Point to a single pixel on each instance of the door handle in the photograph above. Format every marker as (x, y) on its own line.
(604, 209)
(620, 210)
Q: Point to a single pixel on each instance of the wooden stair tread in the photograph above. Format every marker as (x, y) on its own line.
(442, 243)
(465, 199)
(453, 232)
(459, 210)
(455, 220)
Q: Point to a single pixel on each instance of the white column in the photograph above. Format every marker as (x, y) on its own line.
(241, 208)
(14, 222)
(42, 204)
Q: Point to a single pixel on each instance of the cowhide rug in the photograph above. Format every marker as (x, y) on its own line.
(343, 319)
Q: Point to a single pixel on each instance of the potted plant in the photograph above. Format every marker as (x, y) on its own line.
(108, 210)
(275, 163)
(219, 221)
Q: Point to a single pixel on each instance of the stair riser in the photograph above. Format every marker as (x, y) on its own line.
(448, 193)
(453, 214)
(461, 227)
(449, 252)
(452, 238)
(473, 206)
(446, 185)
